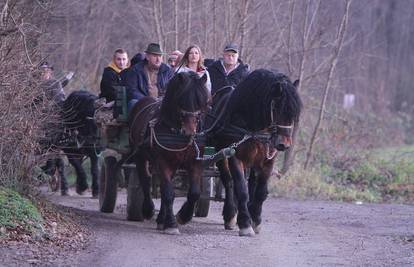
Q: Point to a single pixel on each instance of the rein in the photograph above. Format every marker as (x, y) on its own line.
(139, 113)
(153, 136)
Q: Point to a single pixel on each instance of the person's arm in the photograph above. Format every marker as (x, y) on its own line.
(67, 78)
(208, 82)
(130, 81)
(109, 80)
(170, 74)
(56, 92)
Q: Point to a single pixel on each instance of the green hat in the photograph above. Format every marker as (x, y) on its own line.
(154, 48)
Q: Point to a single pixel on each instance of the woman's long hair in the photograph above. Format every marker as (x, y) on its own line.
(184, 59)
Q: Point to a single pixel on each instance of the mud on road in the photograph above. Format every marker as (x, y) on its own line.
(295, 233)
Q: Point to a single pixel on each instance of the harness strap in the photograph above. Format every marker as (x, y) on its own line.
(153, 136)
(139, 113)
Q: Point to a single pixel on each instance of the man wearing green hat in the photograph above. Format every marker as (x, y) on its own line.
(149, 77)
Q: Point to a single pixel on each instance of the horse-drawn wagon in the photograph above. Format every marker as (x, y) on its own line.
(118, 154)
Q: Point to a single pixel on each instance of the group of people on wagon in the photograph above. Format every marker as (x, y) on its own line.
(147, 75)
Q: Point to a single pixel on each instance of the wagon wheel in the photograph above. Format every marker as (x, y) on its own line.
(108, 184)
(203, 204)
(135, 198)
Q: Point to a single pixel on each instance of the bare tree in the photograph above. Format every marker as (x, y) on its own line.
(333, 62)
(22, 114)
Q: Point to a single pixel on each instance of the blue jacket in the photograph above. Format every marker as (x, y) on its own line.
(136, 80)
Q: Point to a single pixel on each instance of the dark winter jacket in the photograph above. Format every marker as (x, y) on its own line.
(110, 78)
(136, 80)
(219, 78)
(53, 91)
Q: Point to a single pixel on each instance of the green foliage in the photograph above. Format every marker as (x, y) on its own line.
(385, 175)
(312, 185)
(17, 212)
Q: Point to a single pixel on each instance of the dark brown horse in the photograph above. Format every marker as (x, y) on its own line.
(78, 138)
(255, 118)
(163, 138)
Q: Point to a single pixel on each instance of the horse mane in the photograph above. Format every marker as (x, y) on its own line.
(76, 108)
(185, 91)
(250, 104)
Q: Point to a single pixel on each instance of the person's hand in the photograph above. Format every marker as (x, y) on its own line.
(69, 75)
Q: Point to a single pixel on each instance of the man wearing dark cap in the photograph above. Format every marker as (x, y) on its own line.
(52, 88)
(148, 77)
(53, 91)
(229, 70)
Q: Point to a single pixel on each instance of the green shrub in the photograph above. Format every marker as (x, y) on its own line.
(385, 175)
(18, 213)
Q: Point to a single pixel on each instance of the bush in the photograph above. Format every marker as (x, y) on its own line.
(17, 213)
(382, 175)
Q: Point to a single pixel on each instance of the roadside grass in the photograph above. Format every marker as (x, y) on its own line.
(380, 175)
(18, 214)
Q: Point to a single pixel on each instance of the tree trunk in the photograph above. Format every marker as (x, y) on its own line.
(215, 28)
(175, 24)
(188, 23)
(244, 16)
(157, 16)
(334, 59)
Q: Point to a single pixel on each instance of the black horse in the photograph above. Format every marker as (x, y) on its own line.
(163, 136)
(79, 137)
(256, 118)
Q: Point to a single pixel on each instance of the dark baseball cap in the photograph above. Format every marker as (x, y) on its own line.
(231, 47)
(45, 65)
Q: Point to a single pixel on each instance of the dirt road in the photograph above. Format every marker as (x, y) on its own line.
(295, 233)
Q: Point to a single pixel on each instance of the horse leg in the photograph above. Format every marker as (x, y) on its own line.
(229, 208)
(259, 195)
(243, 217)
(167, 199)
(148, 208)
(251, 185)
(81, 183)
(187, 210)
(94, 173)
(63, 181)
(161, 217)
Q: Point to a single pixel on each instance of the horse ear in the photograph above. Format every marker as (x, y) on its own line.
(296, 83)
(203, 79)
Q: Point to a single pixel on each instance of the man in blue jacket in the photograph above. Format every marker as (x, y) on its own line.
(148, 77)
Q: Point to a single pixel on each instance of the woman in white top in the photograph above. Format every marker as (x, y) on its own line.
(193, 60)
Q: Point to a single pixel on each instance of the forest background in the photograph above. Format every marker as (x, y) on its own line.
(354, 60)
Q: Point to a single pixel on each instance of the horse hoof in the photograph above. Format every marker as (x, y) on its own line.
(171, 231)
(95, 194)
(80, 191)
(257, 228)
(148, 214)
(148, 211)
(160, 226)
(179, 220)
(230, 225)
(246, 231)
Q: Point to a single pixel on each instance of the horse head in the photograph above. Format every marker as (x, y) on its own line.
(286, 106)
(79, 115)
(266, 100)
(184, 102)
